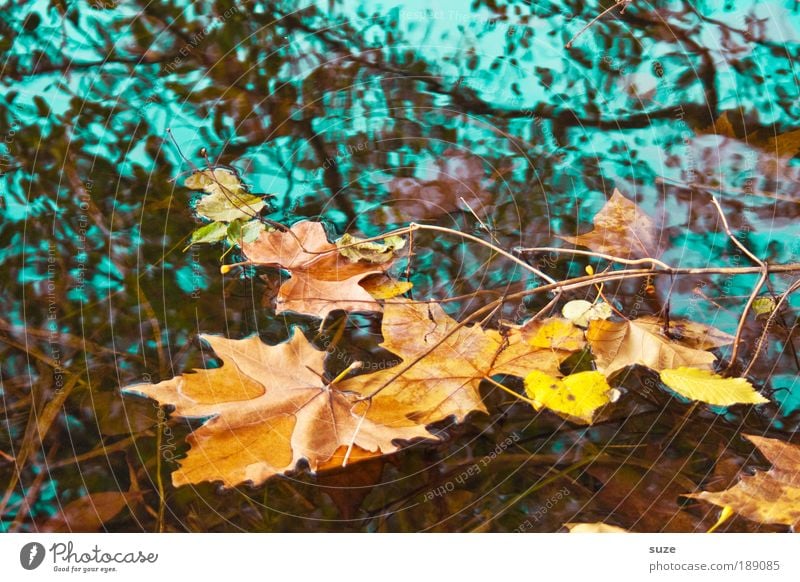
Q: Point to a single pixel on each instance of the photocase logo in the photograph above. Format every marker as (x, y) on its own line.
(31, 555)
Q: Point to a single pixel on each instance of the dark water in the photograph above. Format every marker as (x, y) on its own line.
(368, 116)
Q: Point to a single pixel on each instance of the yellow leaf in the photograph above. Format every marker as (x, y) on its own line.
(557, 334)
(576, 396)
(708, 387)
(383, 287)
(764, 305)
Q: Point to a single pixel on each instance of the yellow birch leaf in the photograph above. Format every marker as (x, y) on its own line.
(577, 396)
(711, 388)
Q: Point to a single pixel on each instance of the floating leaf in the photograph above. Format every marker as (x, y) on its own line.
(384, 287)
(227, 198)
(444, 382)
(581, 312)
(764, 305)
(322, 279)
(354, 249)
(616, 345)
(577, 396)
(210, 233)
(621, 228)
(710, 388)
(553, 333)
(766, 497)
(269, 409)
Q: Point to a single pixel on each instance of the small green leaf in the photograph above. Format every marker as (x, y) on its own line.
(227, 199)
(235, 231)
(209, 233)
(764, 305)
(354, 249)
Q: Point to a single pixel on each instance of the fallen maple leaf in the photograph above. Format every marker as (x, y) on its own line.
(616, 345)
(710, 388)
(445, 381)
(766, 497)
(621, 228)
(322, 280)
(270, 409)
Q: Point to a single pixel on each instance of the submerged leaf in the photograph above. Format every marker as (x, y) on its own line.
(766, 497)
(710, 388)
(577, 396)
(621, 228)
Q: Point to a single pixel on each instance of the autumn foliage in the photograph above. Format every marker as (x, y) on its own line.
(271, 410)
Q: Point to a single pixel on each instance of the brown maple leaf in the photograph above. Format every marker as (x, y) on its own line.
(445, 381)
(616, 345)
(322, 280)
(621, 228)
(765, 497)
(269, 409)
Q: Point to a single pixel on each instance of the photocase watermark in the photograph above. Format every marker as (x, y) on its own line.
(543, 509)
(67, 559)
(31, 555)
(472, 470)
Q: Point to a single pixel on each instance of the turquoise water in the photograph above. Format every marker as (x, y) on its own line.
(367, 115)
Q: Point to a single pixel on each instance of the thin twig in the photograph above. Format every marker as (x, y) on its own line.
(605, 256)
(756, 290)
(762, 338)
